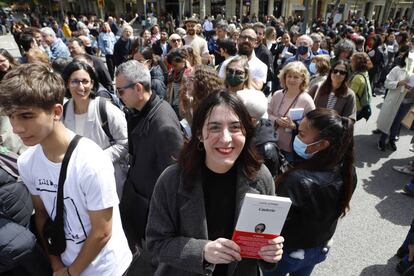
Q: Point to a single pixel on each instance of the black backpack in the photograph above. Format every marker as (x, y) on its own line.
(104, 117)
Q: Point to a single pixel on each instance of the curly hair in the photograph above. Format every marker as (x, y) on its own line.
(295, 67)
(361, 62)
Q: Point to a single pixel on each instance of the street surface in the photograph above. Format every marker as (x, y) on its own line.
(368, 237)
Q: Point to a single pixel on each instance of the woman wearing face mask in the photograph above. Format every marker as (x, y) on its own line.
(294, 77)
(237, 74)
(320, 187)
(319, 68)
(196, 202)
(396, 104)
(335, 94)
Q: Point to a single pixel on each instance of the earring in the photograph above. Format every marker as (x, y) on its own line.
(200, 146)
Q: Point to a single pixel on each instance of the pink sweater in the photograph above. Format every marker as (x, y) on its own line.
(277, 109)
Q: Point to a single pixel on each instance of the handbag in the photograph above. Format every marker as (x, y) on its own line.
(53, 230)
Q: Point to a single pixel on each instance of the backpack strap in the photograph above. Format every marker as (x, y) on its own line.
(65, 108)
(104, 119)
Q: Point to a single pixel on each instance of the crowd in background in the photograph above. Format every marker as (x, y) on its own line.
(148, 101)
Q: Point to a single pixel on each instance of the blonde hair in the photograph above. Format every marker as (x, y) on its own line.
(298, 68)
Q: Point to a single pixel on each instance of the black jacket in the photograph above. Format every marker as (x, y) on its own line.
(155, 139)
(102, 73)
(265, 140)
(122, 50)
(157, 81)
(313, 216)
(157, 49)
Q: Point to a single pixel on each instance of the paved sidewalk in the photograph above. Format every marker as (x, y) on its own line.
(7, 42)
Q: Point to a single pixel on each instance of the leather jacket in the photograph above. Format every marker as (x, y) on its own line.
(316, 206)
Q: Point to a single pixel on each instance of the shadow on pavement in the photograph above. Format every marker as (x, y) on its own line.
(366, 151)
(386, 184)
(381, 270)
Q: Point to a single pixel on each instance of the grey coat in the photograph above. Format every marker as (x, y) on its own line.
(177, 227)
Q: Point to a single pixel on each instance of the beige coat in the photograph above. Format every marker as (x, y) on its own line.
(393, 99)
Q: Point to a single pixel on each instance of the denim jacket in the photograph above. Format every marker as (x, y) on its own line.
(106, 43)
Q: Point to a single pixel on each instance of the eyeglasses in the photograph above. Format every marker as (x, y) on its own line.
(120, 90)
(248, 38)
(234, 72)
(341, 72)
(75, 82)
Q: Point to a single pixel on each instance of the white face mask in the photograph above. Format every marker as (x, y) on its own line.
(300, 148)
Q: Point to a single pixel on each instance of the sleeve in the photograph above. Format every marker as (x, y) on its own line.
(118, 128)
(163, 233)
(97, 179)
(169, 144)
(391, 82)
(309, 104)
(271, 108)
(350, 106)
(24, 171)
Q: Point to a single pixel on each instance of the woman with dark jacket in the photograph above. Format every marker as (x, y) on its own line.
(379, 59)
(196, 202)
(334, 92)
(146, 56)
(320, 187)
(123, 46)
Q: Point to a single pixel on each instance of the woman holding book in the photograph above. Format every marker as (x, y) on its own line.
(320, 188)
(197, 201)
(294, 77)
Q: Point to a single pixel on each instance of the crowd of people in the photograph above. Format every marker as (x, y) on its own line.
(176, 126)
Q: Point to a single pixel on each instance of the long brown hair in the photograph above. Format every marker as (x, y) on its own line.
(339, 131)
(326, 86)
(193, 155)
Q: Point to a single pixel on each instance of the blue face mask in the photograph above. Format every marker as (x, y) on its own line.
(312, 68)
(300, 148)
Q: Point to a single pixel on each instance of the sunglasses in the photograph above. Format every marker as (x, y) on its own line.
(234, 72)
(120, 90)
(341, 72)
(175, 40)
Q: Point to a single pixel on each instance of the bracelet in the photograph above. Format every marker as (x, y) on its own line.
(67, 270)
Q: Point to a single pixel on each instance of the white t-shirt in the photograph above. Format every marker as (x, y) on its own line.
(89, 186)
(257, 69)
(198, 44)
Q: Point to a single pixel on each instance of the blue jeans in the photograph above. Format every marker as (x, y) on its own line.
(395, 127)
(297, 267)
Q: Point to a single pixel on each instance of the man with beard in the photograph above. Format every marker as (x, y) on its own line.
(257, 69)
(198, 44)
(303, 52)
(263, 53)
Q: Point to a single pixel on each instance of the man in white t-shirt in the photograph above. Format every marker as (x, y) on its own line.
(198, 44)
(32, 97)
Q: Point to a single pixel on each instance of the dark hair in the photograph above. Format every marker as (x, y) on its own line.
(377, 41)
(76, 39)
(339, 132)
(60, 63)
(76, 66)
(9, 57)
(192, 157)
(326, 86)
(137, 45)
(26, 41)
(229, 45)
(400, 59)
(177, 55)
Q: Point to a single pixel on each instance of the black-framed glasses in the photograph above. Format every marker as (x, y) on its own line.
(76, 82)
(341, 72)
(120, 90)
(175, 40)
(231, 71)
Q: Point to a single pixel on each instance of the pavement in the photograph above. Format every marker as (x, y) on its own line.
(370, 234)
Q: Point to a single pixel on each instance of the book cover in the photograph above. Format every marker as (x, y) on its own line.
(261, 219)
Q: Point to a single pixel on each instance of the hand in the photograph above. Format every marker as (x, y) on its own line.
(402, 83)
(221, 251)
(285, 122)
(411, 252)
(272, 253)
(62, 272)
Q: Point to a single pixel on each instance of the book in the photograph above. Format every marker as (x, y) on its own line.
(261, 219)
(296, 114)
